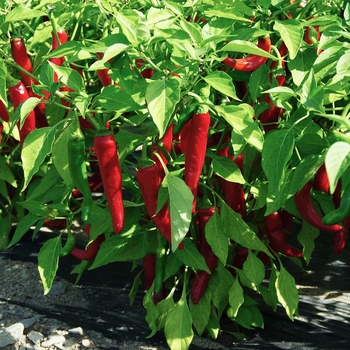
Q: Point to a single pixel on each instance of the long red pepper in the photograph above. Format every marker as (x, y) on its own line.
(273, 224)
(102, 74)
(18, 94)
(108, 160)
(92, 249)
(201, 280)
(308, 212)
(149, 179)
(195, 152)
(4, 114)
(252, 62)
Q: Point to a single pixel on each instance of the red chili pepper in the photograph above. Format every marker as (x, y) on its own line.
(149, 179)
(20, 56)
(195, 152)
(252, 62)
(63, 38)
(307, 34)
(58, 223)
(108, 160)
(102, 74)
(201, 280)
(270, 116)
(4, 114)
(309, 213)
(18, 94)
(321, 182)
(92, 250)
(146, 73)
(273, 224)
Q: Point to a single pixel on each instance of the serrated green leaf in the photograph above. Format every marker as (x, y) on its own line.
(48, 261)
(162, 97)
(36, 147)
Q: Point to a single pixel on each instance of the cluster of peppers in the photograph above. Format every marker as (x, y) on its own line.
(108, 173)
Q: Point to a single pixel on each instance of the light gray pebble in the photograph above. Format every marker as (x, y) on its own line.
(35, 337)
(58, 288)
(54, 339)
(11, 334)
(76, 331)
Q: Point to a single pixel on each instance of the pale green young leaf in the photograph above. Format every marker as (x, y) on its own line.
(191, 257)
(216, 238)
(178, 326)
(287, 292)
(162, 97)
(25, 108)
(21, 13)
(254, 269)
(222, 82)
(180, 206)
(236, 298)
(48, 261)
(240, 117)
(337, 161)
(37, 145)
(201, 312)
(291, 32)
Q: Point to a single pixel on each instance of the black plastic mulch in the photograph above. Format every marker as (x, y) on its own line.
(324, 321)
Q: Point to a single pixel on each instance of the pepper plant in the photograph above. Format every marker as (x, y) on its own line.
(216, 135)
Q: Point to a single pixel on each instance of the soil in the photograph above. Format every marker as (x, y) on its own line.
(96, 313)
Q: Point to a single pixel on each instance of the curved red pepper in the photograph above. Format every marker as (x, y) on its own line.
(146, 73)
(18, 94)
(201, 280)
(309, 213)
(252, 62)
(108, 160)
(92, 249)
(273, 224)
(4, 114)
(195, 152)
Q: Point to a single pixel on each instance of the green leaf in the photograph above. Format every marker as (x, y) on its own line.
(237, 229)
(164, 307)
(291, 32)
(337, 161)
(35, 207)
(180, 206)
(221, 12)
(269, 298)
(152, 312)
(162, 97)
(36, 147)
(219, 284)
(258, 320)
(213, 327)
(25, 108)
(201, 312)
(69, 77)
(287, 292)
(222, 82)
(172, 265)
(227, 169)
(178, 326)
(6, 173)
(254, 269)
(306, 237)
(258, 82)
(23, 227)
(21, 13)
(134, 288)
(48, 261)
(246, 47)
(115, 100)
(277, 151)
(241, 119)
(3, 90)
(191, 257)
(236, 298)
(216, 238)
(312, 95)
